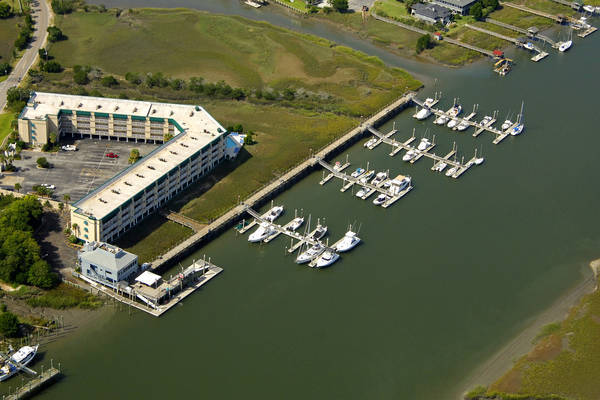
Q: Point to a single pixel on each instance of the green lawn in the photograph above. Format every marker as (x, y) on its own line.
(565, 361)
(547, 6)
(450, 54)
(390, 8)
(8, 35)
(335, 85)
(479, 39)
(297, 4)
(521, 19)
(5, 120)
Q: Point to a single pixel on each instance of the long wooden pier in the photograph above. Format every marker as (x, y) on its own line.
(521, 30)
(34, 385)
(496, 34)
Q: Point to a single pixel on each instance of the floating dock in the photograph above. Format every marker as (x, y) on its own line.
(246, 227)
(539, 56)
(339, 169)
(587, 32)
(34, 385)
(378, 141)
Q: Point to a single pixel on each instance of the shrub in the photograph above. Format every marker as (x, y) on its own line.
(55, 34)
(81, 77)
(51, 66)
(424, 42)
(5, 11)
(340, 5)
(5, 68)
(134, 155)
(63, 6)
(109, 81)
(42, 162)
(9, 324)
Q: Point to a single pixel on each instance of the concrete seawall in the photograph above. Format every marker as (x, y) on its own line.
(278, 185)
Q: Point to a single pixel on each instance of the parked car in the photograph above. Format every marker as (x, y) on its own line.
(69, 147)
(48, 186)
(112, 155)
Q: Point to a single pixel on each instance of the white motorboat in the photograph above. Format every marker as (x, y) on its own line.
(17, 361)
(462, 126)
(409, 155)
(326, 259)
(362, 192)
(479, 161)
(364, 178)
(597, 9)
(398, 184)
(440, 167)
(295, 224)
(349, 241)
(506, 124)
(274, 213)
(441, 120)
(423, 113)
(310, 254)
(263, 231)
(589, 8)
(371, 142)
(454, 111)
(517, 130)
(428, 102)
(485, 121)
(386, 184)
(358, 172)
(453, 122)
(423, 144)
(379, 178)
(451, 171)
(337, 166)
(528, 46)
(379, 200)
(319, 232)
(564, 46)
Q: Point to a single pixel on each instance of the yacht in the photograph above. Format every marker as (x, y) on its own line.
(440, 167)
(564, 46)
(517, 130)
(597, 9)
(454, 111)
(428, 102)
(358, 172)
(462, 126)
(528, 46)
(326, 259)
(379, 200)
(19, 359)
(295, 224)
(423, 144)
(485, 121)
(274, 213)
(349, 241)
(362, 192)
(262, 232)
(453, 122)
(371, 142)
(409, 155)
(364, 178)
(451, 171)
(7, 371)
(310, 254)
(589, 8)
(398, 184)
(319, 232)
(506, 124)
(423, 113)
(441, 120)
(479, 161)
(379, 178)
(337, 166)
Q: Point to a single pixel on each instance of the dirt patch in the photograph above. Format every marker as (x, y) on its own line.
(53, 245)
(547, 349)
(509, 383)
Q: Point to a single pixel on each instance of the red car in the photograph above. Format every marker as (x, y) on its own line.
(112, 155)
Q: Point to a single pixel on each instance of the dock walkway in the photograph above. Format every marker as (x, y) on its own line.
(235, 213)
(492, 33)
(34, 385)
(521, 30)
(183, 220)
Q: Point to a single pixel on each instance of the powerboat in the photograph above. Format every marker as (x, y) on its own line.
(379, 200)
(364, 178)
(310, 254)
(451, 171)
(506, 124)
(261, 233)
(7, 371)
(274, 213)
(326, 259)
(453, 122)
(319, 232)
(428, 102)
(440, 167)
(517, 130)
(362, 192)
(349, 241)
(371, 142)
(462, 126)
(441, 120)
(479, 161)
(423, 113)
(358, 172)
(528, 46)
(423, 144)
(589, 8)
(564, 46)
(485, 121)
(19, 359)
(409, 155)
(379, 178)
(454, 111)
(295, 224)
(398, 184)
(337, 166)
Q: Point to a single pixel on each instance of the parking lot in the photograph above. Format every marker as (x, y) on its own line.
(74, 172)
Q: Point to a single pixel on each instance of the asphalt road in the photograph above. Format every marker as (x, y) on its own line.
(41, 15)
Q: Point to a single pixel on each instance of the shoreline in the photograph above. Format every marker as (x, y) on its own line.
(503, 360)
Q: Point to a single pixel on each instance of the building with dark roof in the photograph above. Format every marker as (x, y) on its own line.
(457, 6)
(431, 13)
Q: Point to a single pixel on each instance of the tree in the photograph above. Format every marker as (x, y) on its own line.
(75, 227)
(167, 137)
(52, 138)
(109, 81)
(134, 155)
(133, 77)
(340, 5)
(63, 6)
(9, 324)
(51, 66)
(249, 139)
(18, 187)
(41, 275)
(5, 68)
(5, 11)
(81, 77)
(66, 197)
(42, 162)
(476, 11)
(55, 34)
(238, 128)
(409, 3)
(16, 98)
(424, 42)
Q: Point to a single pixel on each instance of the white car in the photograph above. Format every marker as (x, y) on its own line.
(48, 186)
(69, 147)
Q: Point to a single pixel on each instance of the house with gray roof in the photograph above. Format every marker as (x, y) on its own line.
(431, 13)
(107, 264)
(457, 6)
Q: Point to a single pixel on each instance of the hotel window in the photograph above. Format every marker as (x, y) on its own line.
(86, 236)
(85, 229)
(85, 222)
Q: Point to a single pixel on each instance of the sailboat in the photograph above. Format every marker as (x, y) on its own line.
(520, 126)
(564, 46)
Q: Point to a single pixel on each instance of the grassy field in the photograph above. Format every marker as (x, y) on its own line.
(452, 55)
(547, 6)
(476, 38)
(335, 86)
(521, 19)
(565, 360)
(5, 120)
(297, 4)
(8, 35)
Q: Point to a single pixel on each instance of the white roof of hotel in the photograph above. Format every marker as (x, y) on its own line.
(200, 129)
(41, 104)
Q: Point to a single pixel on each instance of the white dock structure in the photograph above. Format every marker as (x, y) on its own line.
(246, 227)
(339, 169)
(372, 188)
(459, 167)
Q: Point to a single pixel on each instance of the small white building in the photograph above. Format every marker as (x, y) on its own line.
(107, 264)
